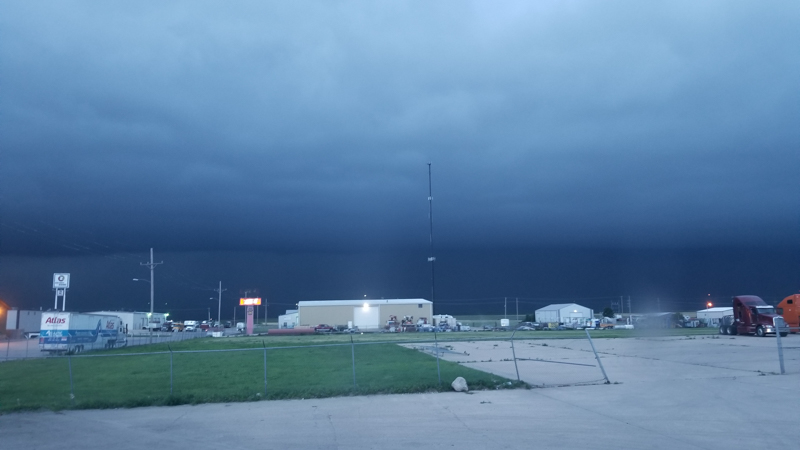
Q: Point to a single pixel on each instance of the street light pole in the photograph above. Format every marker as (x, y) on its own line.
(152, 265)
(219, 306)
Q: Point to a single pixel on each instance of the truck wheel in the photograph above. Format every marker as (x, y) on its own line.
(732, 330)
(784, 334)
(760, 331)
(723, 329)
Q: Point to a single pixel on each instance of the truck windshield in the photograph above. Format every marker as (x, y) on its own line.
(766, 310)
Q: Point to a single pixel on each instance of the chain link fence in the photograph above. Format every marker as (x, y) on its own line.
(261, 371)
(27, 348)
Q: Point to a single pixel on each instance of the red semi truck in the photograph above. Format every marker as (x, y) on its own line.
(751, 315)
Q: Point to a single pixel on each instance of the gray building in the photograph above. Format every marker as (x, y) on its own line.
(19, 322)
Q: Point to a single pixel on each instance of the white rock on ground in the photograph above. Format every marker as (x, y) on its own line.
(460, 385)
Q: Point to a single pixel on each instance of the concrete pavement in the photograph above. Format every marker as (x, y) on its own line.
(671, 393)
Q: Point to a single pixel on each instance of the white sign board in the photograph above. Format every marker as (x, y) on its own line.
(60, 281)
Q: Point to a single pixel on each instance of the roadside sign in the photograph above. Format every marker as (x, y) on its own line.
(60, 281)
(249, 301)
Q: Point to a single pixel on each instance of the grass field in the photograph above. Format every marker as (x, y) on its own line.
(131, 377)
(232, 369)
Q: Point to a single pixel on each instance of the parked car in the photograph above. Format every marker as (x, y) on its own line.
(227, 324)
(323, 328)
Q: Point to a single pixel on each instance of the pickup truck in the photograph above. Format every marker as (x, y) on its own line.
(323, 328)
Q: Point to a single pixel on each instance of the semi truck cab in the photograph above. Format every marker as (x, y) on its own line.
(751, 315)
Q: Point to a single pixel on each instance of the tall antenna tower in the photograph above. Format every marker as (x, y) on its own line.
(431, 258)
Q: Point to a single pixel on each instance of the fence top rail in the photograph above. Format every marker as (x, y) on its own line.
(337, 344)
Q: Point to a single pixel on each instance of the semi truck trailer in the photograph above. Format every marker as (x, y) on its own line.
(789, 308)
(67, 332)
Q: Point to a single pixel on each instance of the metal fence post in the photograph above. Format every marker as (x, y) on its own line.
(170, 368)
(513, 352)
(27, 342)
(436, 345)
(353, 351)
(265, 369)
(597, 357)
(778, 323)
(71, 387)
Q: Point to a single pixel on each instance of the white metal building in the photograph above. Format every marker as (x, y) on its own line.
(289, 320)
(712, 316)
(565, 313)
(364, 314)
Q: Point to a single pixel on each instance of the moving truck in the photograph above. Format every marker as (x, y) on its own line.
(751, 315)
(790, 311)
(75, 332)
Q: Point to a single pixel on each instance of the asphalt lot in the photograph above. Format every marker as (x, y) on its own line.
(688, 393)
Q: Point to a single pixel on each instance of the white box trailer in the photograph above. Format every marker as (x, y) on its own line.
(136, 322)
(444, 320)
(75, 332)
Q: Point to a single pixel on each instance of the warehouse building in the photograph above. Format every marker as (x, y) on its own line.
(364, 314)
(565, 313)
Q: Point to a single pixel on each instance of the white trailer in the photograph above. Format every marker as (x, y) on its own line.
(445, 321)
(75, 332)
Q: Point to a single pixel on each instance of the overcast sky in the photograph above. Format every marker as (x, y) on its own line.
(305, 128)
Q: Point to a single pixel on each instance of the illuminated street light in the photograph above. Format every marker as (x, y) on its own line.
(151, 292)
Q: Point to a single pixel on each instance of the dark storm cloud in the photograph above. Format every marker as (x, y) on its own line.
(276, 125)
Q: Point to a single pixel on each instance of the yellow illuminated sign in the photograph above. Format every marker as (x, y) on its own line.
(249, 301)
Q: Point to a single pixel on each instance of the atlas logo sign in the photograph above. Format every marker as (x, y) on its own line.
(55, 320)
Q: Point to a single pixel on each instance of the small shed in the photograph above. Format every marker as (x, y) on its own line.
(289, 320)
(712, 316)
(566, 313)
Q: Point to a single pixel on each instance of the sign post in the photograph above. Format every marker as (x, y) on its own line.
(60, 285)
(249, 302)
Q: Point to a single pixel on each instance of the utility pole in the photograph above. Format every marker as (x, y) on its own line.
(219, 307)
(505, 307)
(431, 258)
(629, 305)
(517, 309)
(151, 265)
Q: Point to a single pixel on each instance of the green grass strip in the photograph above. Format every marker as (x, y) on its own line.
(131, 379)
